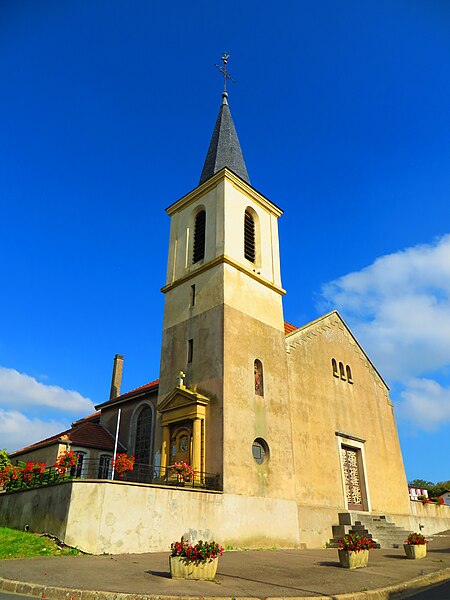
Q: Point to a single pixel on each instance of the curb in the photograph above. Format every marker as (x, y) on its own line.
(391, 592)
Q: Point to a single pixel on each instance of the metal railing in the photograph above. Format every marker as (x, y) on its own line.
(89, 468)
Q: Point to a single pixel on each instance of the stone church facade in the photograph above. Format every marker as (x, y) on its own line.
(294, 425)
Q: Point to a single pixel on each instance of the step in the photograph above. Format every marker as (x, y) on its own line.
(378, 527)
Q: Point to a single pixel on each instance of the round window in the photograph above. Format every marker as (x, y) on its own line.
(260, 451)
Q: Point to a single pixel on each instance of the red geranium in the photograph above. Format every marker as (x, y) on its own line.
(200, 551)
(122, 464)
(355, 543)
(65, 461)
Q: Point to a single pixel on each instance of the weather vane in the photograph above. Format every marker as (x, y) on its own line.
(224, 71)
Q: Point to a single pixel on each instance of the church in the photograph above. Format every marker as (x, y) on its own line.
(287, 428)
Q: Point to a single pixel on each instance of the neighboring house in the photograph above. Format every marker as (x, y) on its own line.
(93, 444)
(446, 496)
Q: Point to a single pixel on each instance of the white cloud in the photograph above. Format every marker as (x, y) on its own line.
(19, 390)
(399, 309)
(426, 402)
(18, 431)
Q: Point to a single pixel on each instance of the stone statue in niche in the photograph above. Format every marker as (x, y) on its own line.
(258, 372)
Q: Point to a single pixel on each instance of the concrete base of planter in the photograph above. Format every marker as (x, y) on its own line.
(183, 568)
(353, 560)
(415, 551)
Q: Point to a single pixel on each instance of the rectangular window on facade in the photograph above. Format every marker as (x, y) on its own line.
(190, 353)
(192, 295)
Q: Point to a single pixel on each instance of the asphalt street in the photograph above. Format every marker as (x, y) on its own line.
(437, 592)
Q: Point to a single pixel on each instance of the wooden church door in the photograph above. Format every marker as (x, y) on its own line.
(352, 478)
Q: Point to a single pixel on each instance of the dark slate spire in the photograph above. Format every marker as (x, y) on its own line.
(224, 148)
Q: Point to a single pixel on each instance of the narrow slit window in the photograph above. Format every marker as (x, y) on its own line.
(259, 378)
(190, 351)
(342, 371)
(334, 366)
(249, 237)
(199, 236)
(349, 374)
(192, 295)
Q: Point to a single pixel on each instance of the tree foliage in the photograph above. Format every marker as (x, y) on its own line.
(434, 489)
(4, 458)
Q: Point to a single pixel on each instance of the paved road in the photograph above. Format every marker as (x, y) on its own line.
(438, 592)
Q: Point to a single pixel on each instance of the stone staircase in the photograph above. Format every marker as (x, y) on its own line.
(380, 528)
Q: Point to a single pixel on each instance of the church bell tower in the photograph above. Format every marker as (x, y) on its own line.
(223, 393)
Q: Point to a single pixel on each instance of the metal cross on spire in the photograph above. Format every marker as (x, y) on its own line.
(224, 71)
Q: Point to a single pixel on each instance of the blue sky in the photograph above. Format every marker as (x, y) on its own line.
(107, 111)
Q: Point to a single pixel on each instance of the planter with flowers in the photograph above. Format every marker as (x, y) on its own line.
(197, 561)
(32, 472)
(183, 471)
(415, 546)
(9, 475)
(122, 464)
(65, 461)
(354, 551)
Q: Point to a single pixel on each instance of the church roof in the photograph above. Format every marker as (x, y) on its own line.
(224, 148)
(147, 387)
(289, 328)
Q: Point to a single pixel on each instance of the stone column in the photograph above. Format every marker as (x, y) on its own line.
(197, 444)
(165, 449)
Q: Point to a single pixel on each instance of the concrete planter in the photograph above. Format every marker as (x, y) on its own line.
(353, 560)
(183, 568)
(415, 551)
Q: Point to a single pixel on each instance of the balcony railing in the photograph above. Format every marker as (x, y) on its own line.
(89, 468)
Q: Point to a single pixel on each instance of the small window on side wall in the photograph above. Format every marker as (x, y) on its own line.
(334, 367)
(349, 374)
(190, 351)
(259, 378)
(341, 371)
(199, 237)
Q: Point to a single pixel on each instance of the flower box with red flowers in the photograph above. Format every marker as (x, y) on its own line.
(415, 546)
(194, 561)
(354, 551)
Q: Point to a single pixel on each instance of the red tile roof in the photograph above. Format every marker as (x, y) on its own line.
(85, 433)
(130, 394)
(288, 328)
(94, 417)
(91, 435)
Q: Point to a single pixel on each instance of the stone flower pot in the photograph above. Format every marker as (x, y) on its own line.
(415, 550)
(353, 560)
(183, 568)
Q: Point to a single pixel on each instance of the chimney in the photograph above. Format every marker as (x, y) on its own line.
(116, 380)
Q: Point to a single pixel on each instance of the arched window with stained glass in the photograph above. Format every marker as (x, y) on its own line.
(143, 442)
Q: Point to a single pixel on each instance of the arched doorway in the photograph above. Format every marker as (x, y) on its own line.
(180, 444)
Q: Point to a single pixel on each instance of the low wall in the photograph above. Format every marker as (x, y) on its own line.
(115, 517)
(42, 509)
(425, 518)
(315, 525)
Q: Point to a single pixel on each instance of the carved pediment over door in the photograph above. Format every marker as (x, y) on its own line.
(182, 404)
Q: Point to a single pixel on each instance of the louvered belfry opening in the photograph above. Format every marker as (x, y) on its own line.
(199, 236)
(249, 237)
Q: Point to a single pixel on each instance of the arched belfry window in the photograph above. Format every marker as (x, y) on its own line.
(199, 236)
(259, 378)
(142, 447)
(249, 237)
